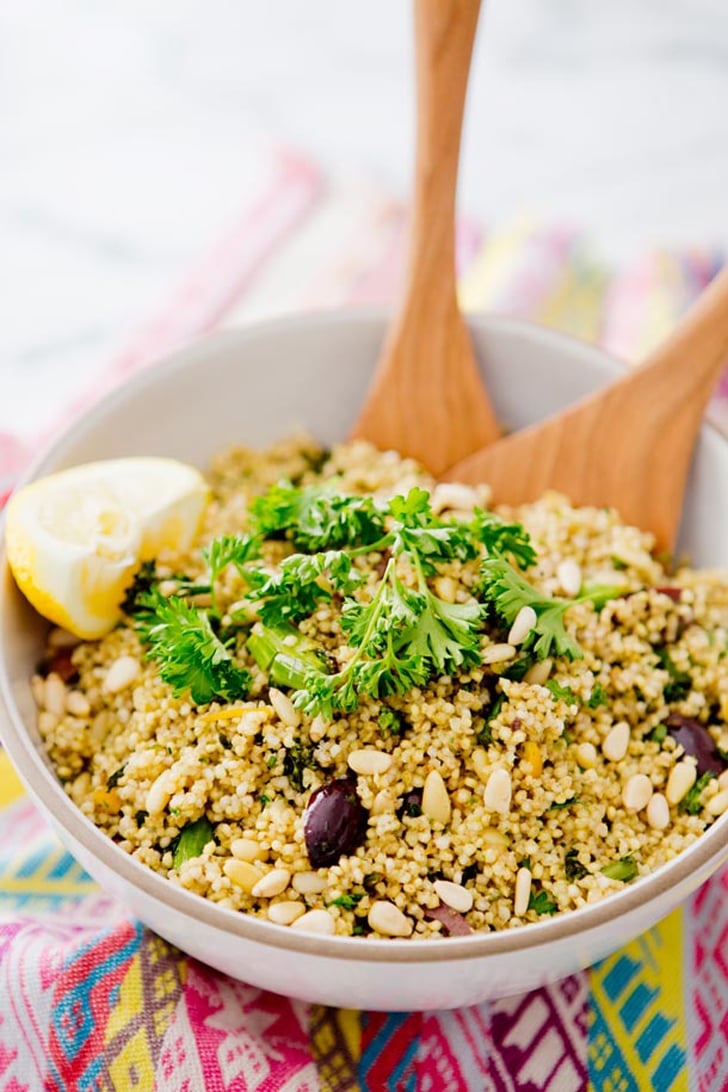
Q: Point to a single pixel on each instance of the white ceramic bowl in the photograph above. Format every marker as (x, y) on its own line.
(253, 386)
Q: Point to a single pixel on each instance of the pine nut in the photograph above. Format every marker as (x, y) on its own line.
(273, 883)
(122, 673)
(369, 762)
(316, 921)
(285, 913)
(615, 745)
(388, 919)
(55, 695)
(493, 838)
(46, 722)
(494, 654)
(159, 793)
(658, 812)
(586, 755)
(531, 753)
(37, 686)
(284, 707)
(681, 780)
(435, 801)
(539, 673)
(242, 873)
(452, 495)
(480, 763)
(637, 792)
(569, 577)
(497, 796)
(247, 849)
(308, 883)
(523, 892)
(718, 803)
(454, 895)
(77, 704)
(318, 729)
(383, 803)
(523, 623)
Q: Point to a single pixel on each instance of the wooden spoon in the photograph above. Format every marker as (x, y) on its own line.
(628, 446)
(427, 399)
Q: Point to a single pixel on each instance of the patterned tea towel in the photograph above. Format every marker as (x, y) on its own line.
(91, 1000)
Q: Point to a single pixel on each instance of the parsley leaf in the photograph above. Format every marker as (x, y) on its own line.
(508, 592)
(190, 656)
(227, 550)
(304, 581)
(598, 697)
(317, 517)
(559, 805)
(391, 723)
(502, 539)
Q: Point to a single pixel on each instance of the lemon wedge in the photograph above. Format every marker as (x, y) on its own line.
(75, 539)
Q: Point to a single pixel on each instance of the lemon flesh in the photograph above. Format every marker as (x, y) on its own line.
(75, 539)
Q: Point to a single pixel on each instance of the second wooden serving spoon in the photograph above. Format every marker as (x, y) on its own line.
(629, 445)
(427, 399)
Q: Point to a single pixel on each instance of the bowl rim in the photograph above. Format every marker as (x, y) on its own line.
(694, 861)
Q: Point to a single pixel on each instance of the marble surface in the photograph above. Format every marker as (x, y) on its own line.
(130, 134)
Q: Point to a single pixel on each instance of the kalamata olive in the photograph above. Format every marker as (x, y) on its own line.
(695, 740)
(452, 921)
(334, 823)
(410, 805)
(60, 663)
(672, 593)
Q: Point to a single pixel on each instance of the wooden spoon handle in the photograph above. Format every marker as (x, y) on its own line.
(444, 35)
(427, 398)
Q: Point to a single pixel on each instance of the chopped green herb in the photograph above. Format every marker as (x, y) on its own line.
(361, 928)
(567, 737)
(115, 777)
(540, 903)
(298, 758)
(563, 693)
(625, 869)
(690, 803)
(658, 734)
(189, 655)
(390, 722)
(525, 863)
(347, 902)
(680, 684)
(470, 872)
(372, 879)
(618, 563)
(144, 580)
(192, 841)
(272, 761)
(264, 799)
(227, 550)
(141, 817)
(518, 670)
(563, 804)
(484, 735)
(598, 697)
(573, 867)
(225, 742)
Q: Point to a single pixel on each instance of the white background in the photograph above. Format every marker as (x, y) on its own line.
(130, 132)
